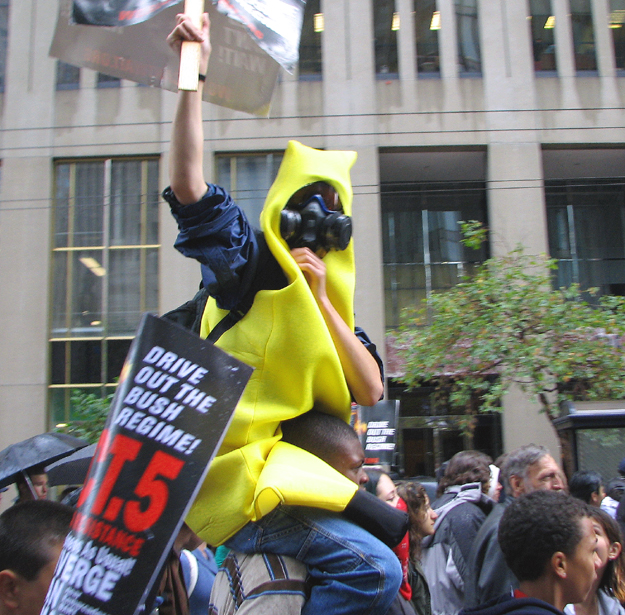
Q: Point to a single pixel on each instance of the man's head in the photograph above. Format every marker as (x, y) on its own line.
(39, 481)
(31, 538)
(330, 439)
(548, 541)
(531, 468)
(587, 486)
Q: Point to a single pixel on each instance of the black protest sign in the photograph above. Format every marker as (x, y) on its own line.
(377, 428)
(173, 405)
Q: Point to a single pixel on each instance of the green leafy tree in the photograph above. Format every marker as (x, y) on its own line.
(507, 326)
(89, 414)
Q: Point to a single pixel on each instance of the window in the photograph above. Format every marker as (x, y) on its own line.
(4, 34)
(617, 27)
(104, 271)
(427, 25)
(583, 35)
(248, 179)
(107, 81)
(586, 225)
(385, 26)
(468, 33)
(310, 42)
(542, 25)
(421, 240)
(67, 76)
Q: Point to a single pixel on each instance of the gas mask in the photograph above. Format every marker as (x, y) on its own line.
(312, 225)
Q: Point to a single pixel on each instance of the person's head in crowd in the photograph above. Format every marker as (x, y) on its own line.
(531, 468)
(587, 485)
(422, 515)
(466, 467)
(549, 542)
(31, 538)
(615, 489)
(39, 481)
(330, 439)
(621, 467)
(611, 572)
(382, 486)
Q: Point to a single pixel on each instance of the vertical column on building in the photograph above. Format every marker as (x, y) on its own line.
(25, 218)
(350, 106)
(516, 206)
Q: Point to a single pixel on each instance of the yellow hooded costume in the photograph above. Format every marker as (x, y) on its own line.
(296, 366)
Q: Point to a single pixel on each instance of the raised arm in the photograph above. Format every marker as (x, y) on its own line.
(186, 171)
(360, 368)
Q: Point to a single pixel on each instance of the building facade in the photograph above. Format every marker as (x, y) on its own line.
(506, 112)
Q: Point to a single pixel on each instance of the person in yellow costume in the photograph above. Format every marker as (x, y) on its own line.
(263, 494)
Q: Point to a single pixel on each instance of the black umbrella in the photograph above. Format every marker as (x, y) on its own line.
(36, 451)
(71, 470)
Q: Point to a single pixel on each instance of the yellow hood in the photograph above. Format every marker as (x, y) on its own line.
(285, 338)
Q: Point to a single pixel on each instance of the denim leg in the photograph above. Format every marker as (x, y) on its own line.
(354, 573)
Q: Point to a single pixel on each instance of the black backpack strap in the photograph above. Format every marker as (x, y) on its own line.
(189, 314)
(267, 275)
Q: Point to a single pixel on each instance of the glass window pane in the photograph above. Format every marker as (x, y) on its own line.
(415, 265)
(117, 350)
(88, 204)
(542, 25)
(59, 294)
(124, 290)
(88, 274)
(126, 197)
(385, 26)
(617, 27)
(57, 363)
(86, 361)
(151, 229)
(67, 76)
(427, 26)
(445, 236)
(310, 41)
(61, 206)
(108, 81)
(151, 281)
(248, 179)
(467, 24)
(594, 255)
(583, 35)
(58, 403)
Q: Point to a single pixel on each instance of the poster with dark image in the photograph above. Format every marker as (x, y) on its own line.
(240, 75)
(174, 402)
(275, 25)
(117, 12)
(376, 427)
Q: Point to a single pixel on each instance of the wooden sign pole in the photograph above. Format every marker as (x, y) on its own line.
(191, 51)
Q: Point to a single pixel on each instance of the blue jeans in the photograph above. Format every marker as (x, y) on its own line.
(353, 572)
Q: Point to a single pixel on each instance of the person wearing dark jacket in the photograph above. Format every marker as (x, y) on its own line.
(549, 543)
(523, 470)
(461, 508)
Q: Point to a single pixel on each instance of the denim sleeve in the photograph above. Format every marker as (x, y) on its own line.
(215, 232)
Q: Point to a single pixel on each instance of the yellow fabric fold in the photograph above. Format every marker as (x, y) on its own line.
(278, 484)
(296, 367)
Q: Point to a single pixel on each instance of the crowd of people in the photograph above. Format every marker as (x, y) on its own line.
(538, 546)
(288, 519)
